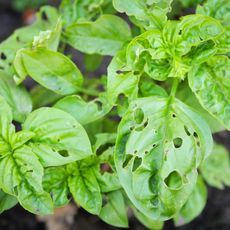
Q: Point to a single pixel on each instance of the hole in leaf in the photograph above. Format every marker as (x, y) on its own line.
(3, 56)
(44, 16)
(99, 105)
(177, 142)
(186, 131)
(127, 160)
(137, 162)
(195, 135)
(139, 115)
(198, 143)
(17, 39)
(174, 115)
(174, 180)
(63, 153)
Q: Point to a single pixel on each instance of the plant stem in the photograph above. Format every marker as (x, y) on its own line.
(175, 84)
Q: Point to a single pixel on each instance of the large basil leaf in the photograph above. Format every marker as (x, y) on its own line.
(59, 138)
(16, 96)
(213, 76)
(161, 143)
(195, 204)
(105, 36)
(114, 211)
(51, 69)
(216, 168)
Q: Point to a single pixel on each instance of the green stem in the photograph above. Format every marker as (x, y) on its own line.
(174, 87)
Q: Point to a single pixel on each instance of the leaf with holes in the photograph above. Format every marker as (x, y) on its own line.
(105, 36)
(213, 75)
(158, 152)
(59, 139)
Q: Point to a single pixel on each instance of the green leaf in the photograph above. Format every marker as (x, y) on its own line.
(47, 18)
(55, 182)
(114, 211)
(216, 9)
(84, 187)
(51, 69)
(6, 201)
(59, 138)
(148, 223)
(214, 76)
(84, 112)
(150, 14)
(23, 178)
(157, 159)
(195, 204)
(216, 168)
(16, 96)
(105, 36)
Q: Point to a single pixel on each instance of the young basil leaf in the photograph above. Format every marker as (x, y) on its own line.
(55, 182)
(51, 69)
(16, 96)
(84, 187)
(216, 168)
(23, 37)
(213, 75)
(114, 211)
(157, 159)
(84, 112)
(195, 204)
(57, 133)
(6, 201)
(105, 36)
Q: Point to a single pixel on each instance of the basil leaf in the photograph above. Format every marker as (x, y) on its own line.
(16, 96)
(195, 204)
(6, 201)
(114, 211)
(216, 168)
(58, 135)
(55, 182)
(84, 187)
(105, 36)
(161, 142)
(213, 75)
(51, 69)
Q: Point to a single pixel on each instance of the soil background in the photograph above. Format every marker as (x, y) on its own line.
(216, 215)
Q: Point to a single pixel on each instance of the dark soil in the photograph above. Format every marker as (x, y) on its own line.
(216, 215)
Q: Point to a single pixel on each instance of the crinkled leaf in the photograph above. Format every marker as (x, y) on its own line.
(55, 182)
(105, 36)
(216, 168)
(157, 156)
(214, 76)
(51, 69)
(57, 134)
(84, 188)
(195, 204)
(114, 211)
